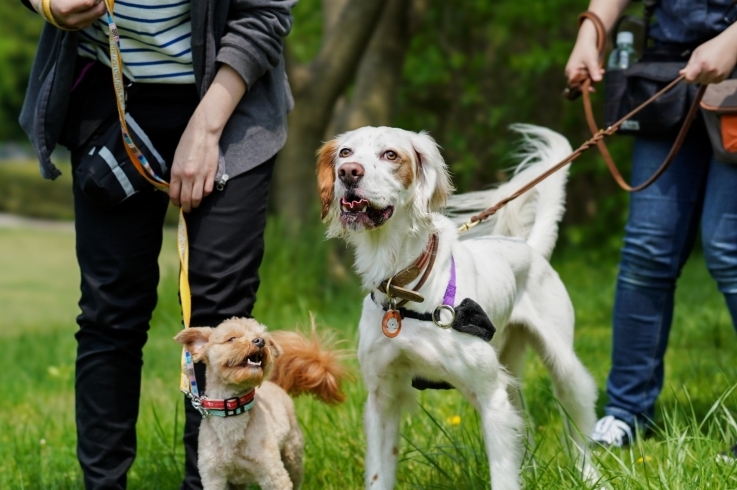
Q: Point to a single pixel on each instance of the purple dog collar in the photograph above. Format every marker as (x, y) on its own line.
(450, 291)
(448, 300)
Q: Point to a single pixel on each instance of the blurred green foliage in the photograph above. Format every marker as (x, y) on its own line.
(473, 68)
(19, 31)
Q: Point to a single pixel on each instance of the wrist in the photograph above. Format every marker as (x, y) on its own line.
(587, 34)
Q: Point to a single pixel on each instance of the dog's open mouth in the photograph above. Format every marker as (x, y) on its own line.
(253, 360)
(356, 210)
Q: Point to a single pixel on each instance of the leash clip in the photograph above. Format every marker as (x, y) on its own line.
(197, 404)
(467, 226)
(436, 316)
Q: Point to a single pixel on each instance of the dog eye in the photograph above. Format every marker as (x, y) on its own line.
(231, 339)
(345, 152)
(390, 155)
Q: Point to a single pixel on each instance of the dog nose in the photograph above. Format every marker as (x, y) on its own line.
(350, 173)
(259, 342)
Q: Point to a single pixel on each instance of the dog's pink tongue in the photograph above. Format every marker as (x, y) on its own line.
(354, 205)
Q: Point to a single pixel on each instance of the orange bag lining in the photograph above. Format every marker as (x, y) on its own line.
(729, 132)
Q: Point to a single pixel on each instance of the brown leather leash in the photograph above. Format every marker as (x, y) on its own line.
(580, 86)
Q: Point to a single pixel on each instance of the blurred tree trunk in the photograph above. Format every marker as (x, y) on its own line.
(374, 97)
(316, 86)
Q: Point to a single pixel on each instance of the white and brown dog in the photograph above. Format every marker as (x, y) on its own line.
(252, 434)
(383, 190)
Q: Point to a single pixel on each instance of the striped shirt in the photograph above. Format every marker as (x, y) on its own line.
(155, 40)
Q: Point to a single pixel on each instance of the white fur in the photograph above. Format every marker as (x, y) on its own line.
(509, 276)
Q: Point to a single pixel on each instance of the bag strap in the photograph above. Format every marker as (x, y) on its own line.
(116, 64)
(582, 85)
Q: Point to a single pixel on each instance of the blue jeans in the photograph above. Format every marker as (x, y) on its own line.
(660, 234)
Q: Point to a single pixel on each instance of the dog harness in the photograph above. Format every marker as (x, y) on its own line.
(468, 318)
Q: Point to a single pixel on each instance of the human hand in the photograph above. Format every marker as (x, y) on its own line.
(714, 60)
(584, 59)
(75, 14)
(195, 162)
(196, 158)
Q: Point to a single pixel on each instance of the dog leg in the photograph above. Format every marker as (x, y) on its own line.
(274, 477)
(292, 455)
(574, 388)
(382, 420)
(502, 426)
(512, 357)
(212, 480)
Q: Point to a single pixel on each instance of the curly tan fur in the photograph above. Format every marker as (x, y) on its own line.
(306, 366)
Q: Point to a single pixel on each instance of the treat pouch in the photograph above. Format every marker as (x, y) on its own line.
(719, 108)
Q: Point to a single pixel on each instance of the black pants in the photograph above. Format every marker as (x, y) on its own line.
(117, 251)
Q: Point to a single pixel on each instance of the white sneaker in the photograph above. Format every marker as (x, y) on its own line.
(728, 457)
(613, 432)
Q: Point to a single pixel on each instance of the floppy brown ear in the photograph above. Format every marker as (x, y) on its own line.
(275, 348)
(194, 340)
(326, 174)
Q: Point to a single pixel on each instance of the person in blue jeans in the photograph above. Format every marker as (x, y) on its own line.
(664, 218)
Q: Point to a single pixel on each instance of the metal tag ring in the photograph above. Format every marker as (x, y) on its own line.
(436, 316)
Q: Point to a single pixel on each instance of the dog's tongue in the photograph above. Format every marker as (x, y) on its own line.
(353, 205)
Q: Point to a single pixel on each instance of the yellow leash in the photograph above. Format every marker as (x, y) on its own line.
(187, 383)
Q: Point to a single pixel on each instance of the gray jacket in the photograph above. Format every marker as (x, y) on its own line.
(247, 35)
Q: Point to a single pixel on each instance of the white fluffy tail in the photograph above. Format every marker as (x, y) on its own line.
(533, 216)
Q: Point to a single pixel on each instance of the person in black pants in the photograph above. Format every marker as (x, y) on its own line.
(206, 86)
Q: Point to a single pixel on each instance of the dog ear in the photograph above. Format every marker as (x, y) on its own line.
(194, 340)
(326, 174)
(275, 348)
(435, 185)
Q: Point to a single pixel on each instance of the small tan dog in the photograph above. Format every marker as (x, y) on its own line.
(262, 442)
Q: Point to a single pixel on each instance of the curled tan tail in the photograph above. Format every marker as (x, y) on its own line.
(305, 366)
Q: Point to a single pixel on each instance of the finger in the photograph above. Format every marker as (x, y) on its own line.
(689, 73)
(186, 196)
(209, 186)
(594, 71)
(82, 20)
(175, 189)
(197, 189)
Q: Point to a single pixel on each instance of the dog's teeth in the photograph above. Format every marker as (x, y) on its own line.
(251, 363)
(363, 209)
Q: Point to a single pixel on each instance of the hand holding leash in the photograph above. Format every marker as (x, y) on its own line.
(70, 15)
(585, 60)
(713, 61)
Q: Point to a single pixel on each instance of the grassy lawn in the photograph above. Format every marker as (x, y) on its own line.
(441, 446)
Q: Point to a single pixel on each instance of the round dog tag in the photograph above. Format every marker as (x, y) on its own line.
(391, 324)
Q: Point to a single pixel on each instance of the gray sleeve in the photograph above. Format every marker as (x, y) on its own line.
(254, 36)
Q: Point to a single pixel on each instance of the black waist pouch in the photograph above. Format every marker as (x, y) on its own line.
(104, 172)
(626, 89)
(102, 169)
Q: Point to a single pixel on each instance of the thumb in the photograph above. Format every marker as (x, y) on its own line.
(592, 65)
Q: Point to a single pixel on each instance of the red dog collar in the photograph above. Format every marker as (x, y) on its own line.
(229, 406)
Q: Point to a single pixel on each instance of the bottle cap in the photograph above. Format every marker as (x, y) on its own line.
(625, 37)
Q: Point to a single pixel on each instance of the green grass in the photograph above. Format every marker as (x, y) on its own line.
(38, 293)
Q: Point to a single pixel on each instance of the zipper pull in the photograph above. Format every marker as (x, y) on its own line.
(221, 183)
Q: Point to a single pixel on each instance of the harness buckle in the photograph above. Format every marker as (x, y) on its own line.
(436, 316)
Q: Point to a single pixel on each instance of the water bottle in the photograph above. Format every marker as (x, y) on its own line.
(624, 54)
